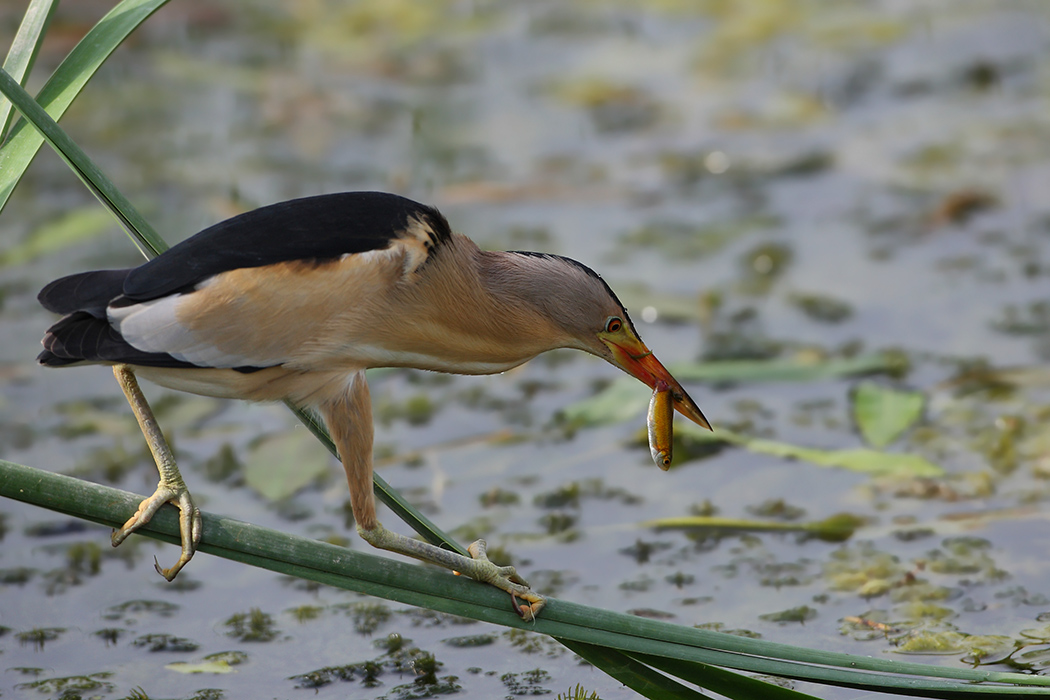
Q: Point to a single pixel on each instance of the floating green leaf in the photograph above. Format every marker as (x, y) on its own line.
(874, 462)
(883, 413)
(801, 367)
(71, 686)
(279, 465)
(933, 642)
(180, 412)
(223, 662)
(801, 614)
(821, 307)
(836, 528)
(859, 460)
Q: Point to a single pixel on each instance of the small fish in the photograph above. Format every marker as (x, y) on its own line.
(661, 425)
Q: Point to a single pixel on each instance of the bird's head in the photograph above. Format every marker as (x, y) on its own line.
(579, 301)
(623, 348)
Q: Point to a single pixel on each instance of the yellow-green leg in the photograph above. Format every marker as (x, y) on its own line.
(171, 489)
(349, 419)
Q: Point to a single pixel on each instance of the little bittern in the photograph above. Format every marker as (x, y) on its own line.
(294, 301)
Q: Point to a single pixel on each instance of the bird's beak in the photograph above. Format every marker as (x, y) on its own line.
(639, 362)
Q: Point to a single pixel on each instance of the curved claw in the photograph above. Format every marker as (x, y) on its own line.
(190, 524)
(530, 611)
(505, 578)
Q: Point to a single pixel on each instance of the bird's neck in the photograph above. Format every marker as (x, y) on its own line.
(490, 319)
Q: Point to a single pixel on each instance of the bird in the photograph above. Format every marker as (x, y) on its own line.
(295, 300)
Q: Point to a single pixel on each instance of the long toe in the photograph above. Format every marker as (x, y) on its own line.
(190, 528)
(190, 524)
(144, 514)
(505, 578)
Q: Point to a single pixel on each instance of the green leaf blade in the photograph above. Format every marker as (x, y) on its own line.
(23, 53)
(134, 224)
(634, 674)
(732, 685)
(65, 84)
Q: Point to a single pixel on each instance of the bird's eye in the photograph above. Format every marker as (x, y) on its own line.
(613, 324)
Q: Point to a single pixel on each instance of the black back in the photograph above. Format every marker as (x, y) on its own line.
(313, 229)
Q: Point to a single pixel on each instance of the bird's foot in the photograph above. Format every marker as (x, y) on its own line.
(505, 578)
(190, 525)
(477, 566)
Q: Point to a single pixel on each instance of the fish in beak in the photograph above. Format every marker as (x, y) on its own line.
(631, 355)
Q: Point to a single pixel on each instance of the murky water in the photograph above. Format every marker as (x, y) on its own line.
(773, 179)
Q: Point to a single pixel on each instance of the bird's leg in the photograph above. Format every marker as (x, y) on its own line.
(171, 489)
(477, 566)
(349, 419)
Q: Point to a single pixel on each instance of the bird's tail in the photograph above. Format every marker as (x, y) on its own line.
(84, 335)
(81, 337)
(90, 292)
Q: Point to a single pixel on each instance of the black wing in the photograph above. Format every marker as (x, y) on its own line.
(310, 229)
(318, 228)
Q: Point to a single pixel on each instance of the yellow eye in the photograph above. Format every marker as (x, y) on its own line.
(613, 324)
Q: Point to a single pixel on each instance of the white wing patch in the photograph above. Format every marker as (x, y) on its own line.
(152, 326)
